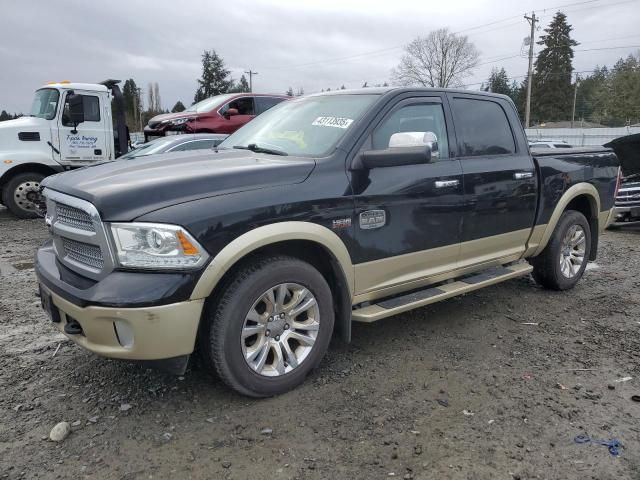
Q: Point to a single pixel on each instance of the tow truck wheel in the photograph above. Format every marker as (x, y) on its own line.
(563, 261)
(269, 326)
(20, 193)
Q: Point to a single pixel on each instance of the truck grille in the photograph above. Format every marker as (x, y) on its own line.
(628, 197)
(79, 236)
(84, 253)
(74, 217)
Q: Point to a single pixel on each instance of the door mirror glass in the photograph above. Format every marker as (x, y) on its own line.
(415, 139)
(76, 110)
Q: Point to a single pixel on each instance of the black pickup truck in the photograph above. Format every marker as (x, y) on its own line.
(327, 209)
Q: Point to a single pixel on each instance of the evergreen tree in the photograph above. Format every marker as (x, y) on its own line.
(214, 79)
(342, 87)
(289, 92)
(623, 100)
(552, 92)
(364, 85)
(131, 101)
(4, 116)
(300, 92)
(498, 82)
(242, 86)
(178, 107)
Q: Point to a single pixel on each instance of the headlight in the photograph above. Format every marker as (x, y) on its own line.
(152, 245)
(179, 121)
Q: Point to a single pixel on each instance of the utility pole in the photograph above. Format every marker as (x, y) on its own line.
(251, 73)
(575, 96)
(527, 115)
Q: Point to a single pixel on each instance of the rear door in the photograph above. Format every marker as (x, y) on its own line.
(500, 184)
(89, 143)
(408, 217)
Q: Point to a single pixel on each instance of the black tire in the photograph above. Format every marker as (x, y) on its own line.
(10, 194)
(546, 266)
(221, 326)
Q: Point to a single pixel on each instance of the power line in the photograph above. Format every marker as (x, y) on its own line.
(396, 47)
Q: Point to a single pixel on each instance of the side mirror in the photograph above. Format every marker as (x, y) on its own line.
(393, 157)
(76, 110)
(414, 139)
(231, 112)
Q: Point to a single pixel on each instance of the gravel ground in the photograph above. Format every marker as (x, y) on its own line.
(492, 385)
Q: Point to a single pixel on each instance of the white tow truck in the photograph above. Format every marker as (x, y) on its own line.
(70, 125)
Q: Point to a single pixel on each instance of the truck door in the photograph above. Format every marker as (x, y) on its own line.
(407, 217)
(89, 144)
(500, 184)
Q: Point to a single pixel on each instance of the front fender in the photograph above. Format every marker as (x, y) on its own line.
(266, 235)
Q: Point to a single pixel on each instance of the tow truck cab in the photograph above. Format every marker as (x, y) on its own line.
(50, 139)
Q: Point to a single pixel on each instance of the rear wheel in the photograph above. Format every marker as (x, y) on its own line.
(269, 327)
(562, 263)
(21, 194)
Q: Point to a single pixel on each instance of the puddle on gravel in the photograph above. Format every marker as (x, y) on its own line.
(23, 265)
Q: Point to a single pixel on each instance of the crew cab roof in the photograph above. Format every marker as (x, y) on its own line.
(399, 90)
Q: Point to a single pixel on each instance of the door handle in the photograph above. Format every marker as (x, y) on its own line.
(447, 183)
(522, 175)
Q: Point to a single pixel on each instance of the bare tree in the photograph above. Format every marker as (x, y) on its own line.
(156, 95)
(441, 59)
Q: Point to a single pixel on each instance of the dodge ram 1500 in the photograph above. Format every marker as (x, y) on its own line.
(327, 209)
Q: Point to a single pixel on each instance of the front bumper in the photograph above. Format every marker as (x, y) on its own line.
(147, 333)
(127, 315)
(628, 212)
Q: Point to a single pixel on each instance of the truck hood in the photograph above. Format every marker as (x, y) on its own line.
(627, 150)
(123, 190)
(10, 129)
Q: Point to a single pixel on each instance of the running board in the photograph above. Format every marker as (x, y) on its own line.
(396, 305)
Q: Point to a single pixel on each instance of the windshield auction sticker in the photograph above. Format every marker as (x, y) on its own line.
(338, 122)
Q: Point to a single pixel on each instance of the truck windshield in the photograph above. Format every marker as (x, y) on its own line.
(308, 126)
(45, 103)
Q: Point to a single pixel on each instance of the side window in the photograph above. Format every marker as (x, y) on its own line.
(198, 145)
(482, 128)
(244, 106)
(91, 110)
(265, 103)
(424, 117)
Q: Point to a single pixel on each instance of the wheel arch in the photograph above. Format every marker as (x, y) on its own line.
(307, 241)
(584, 198)
(24, 168)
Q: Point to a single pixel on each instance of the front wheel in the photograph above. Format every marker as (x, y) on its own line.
(563, 261)
(21, 194)
(269, 327)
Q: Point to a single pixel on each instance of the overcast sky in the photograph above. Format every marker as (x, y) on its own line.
(313, 44)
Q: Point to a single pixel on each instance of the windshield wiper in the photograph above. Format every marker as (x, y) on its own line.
(254, 147)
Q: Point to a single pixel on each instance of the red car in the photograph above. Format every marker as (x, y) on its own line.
(219, 114)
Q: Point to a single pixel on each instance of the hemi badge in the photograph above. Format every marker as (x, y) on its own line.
(341, 223)
(373, 219)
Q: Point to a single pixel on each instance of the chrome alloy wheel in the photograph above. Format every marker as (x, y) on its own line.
(26, 195)
(572, 251)
(280, 329)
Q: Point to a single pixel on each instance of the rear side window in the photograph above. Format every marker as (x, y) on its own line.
(265, 103)
(562, 145)
(482, 128)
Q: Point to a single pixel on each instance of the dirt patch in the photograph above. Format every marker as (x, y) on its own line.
(494, 384)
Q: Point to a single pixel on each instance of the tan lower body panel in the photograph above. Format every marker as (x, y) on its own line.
(153, 333)
(373, 313)
(389, 276)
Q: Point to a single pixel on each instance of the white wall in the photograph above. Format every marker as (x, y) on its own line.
(580, 136)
